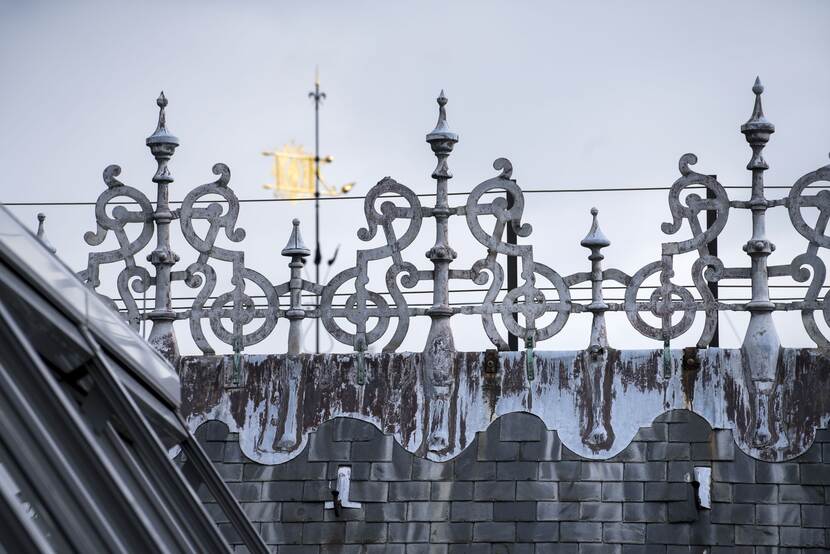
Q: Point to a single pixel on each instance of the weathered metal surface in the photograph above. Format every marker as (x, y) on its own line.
(283, 398)
(756, 393)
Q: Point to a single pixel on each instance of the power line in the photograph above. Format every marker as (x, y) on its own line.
(421, 195)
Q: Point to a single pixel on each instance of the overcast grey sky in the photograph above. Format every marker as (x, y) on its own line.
(576, 94)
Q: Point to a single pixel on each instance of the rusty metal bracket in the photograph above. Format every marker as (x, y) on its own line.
(492, 365)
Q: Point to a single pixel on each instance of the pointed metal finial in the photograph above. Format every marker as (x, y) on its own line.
(295, 245)
(442, 130)
(757, 123)
(595, 237)
(161, 135)
(41, 233)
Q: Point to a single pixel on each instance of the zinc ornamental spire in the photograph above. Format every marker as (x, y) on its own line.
(162, 145)
(761, 343)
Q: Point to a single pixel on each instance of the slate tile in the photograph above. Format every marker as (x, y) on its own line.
(733, 513)
(668, 451)
(653, 512)
(449, 490)
(600, 511)
(631, 491)
(361, 532)
(813, 515)
(322, 448)
(467, 468)
(655, 432)
(471, 511)
(740, 470)
(556, 548)
(778, 473)
(559, 471)
(644, 471)
(491, 448)
(802, 537)
(601, 471)
(634, 452)
(282, 533)
(516, 471)
(514, 511)
(428, 511)
(369, 491)
(427, 470)
(667, 491)
(577, 491)
(778, 514)
(667, 533)
(521, 426)
(379, 449)
(536, 490)
(409, 490)
(547, 449)
(348, 429)
(283, 491)
(456, 532)
(756, 534)
(557, 511)
(498, 490)
(537, 531)
(494, 531)
(399, 468)
(704, 533)
(815, 474)
(629, 533)
(318, 532)
(409, 532)
(385, 511)
(302, 511)
(803, 494)
(758, 494)
(580, 531)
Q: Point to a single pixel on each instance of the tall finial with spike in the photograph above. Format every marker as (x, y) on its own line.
(162, 145)
(761, 344)
(596, 430)
(439, 352)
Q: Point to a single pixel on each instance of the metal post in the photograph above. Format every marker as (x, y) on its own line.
(512, 276)
(297, 251)
(711, 216)
(318, 97)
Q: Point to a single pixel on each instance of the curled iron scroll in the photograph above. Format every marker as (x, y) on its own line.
(242, 310)
(132, 276)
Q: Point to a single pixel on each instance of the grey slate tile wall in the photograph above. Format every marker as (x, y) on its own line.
(516, 489)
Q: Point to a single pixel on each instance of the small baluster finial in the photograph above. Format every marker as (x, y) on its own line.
(442, 129)
(161, 135)
(595, 241)
(298, 252)
(41, 233)
(757, 129)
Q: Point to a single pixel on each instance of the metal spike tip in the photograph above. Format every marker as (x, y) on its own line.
(758, 88)
(595, 237)
(295, 245)
(442, 98)
(161, 101)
